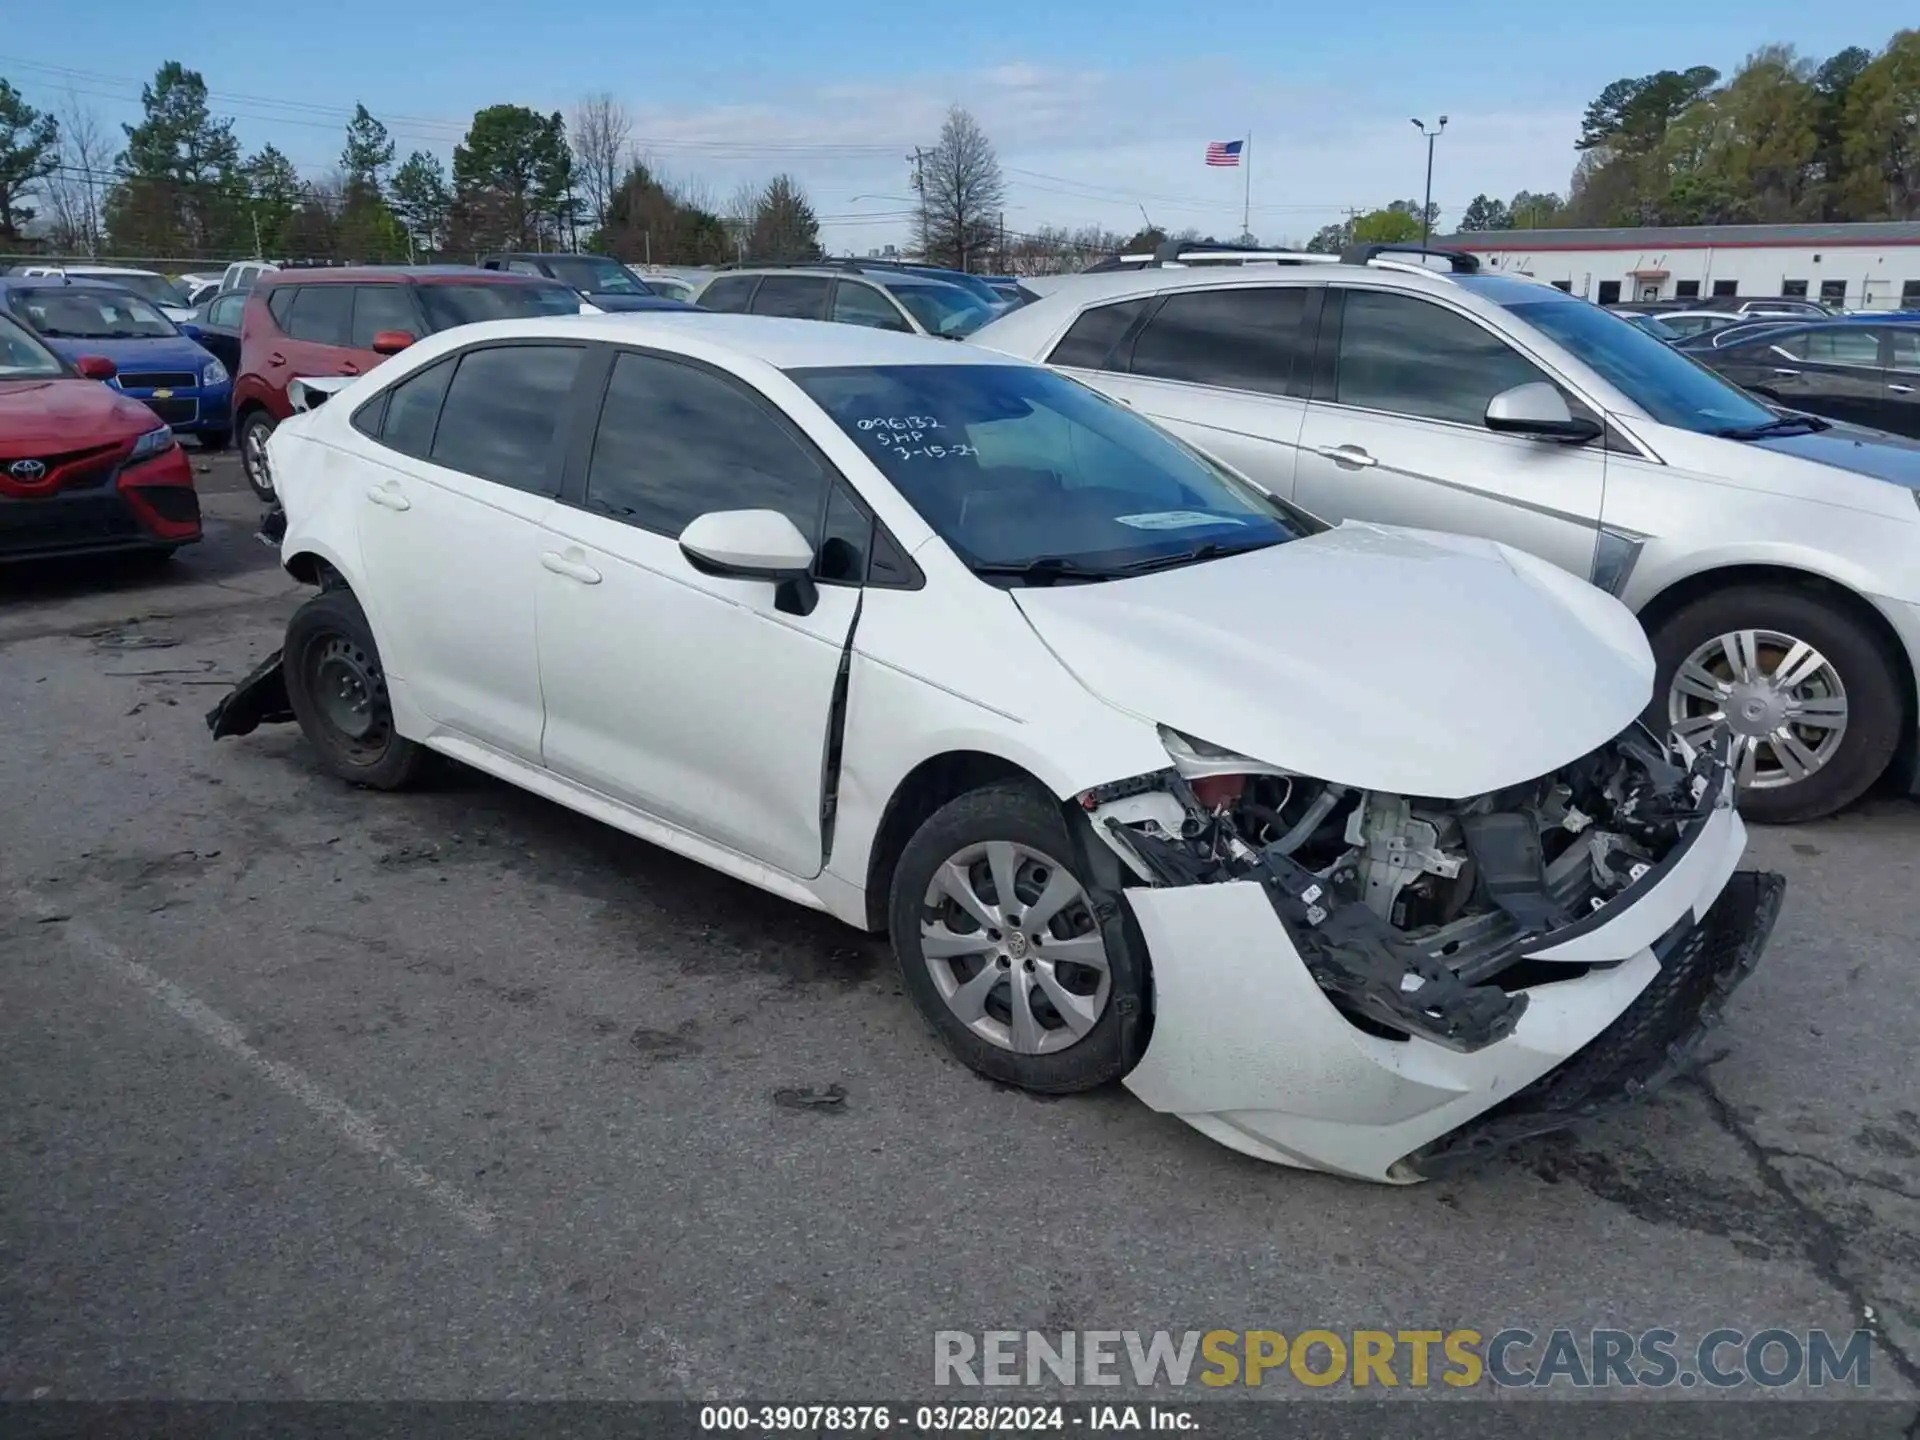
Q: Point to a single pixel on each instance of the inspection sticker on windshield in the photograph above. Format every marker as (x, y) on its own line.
(1175, 520)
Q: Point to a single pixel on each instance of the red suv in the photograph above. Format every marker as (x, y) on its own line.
(343, 321)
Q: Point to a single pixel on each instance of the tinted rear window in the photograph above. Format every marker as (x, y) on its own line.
(450, 305)
(1095, 333)
(730, 293)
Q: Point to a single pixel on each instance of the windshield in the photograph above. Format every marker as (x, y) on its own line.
(596, 275)
(1012, 465)
(73, 313)
(157, 288)
(1674, 389)
(450, 305)
(672, 289)
(972, 284)
(24, 358)
(1655, 327)
(943, 309)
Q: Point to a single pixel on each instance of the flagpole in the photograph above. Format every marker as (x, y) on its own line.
(1246, 199)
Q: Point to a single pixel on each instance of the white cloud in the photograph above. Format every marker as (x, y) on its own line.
(1084, 147)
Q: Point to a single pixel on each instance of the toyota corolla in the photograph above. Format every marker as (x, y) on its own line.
(1346, 846)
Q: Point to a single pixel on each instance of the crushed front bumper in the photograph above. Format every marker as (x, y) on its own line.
(1247, 1048)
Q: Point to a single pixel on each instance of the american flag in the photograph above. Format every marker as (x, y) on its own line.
(1224, 152)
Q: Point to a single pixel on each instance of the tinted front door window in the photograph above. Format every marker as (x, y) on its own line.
(1411, 357)
(502, 413)
(380, 307)
(728, 293)
(676, 442)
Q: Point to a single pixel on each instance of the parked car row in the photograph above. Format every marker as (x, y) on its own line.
(1149, 773)
(1864, 370)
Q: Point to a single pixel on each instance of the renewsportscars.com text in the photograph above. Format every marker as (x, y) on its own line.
(1410, 1359)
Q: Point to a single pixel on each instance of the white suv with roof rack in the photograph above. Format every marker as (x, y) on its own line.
(1773, 557)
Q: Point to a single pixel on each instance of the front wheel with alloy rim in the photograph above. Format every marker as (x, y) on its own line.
(1027, 976)
(255, 430)
(338, 693)
(1807, 692)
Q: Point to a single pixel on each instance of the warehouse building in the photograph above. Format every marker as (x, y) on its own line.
(1861, 267)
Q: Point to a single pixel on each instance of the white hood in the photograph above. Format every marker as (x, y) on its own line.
(1396, 660)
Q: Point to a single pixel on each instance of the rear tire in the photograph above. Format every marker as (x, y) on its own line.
(256, 428)
(338, 693)
(1774, 634)
(1082, 977)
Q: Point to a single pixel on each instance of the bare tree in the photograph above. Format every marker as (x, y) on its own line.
(601, 129)
(961, 192)
(76, 192)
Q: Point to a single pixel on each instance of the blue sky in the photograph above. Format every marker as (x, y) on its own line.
(1100, 111)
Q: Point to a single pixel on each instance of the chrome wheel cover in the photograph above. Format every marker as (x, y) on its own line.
(1780, 699)
(1011, 943)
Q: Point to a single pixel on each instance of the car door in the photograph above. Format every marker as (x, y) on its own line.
(1832, 370)
(693, 698)
(1396, 432)
(220, 331)
(1224, 369)
(857, 303)
(378, 308)
(1902, 380)
(450, 533)
(319, 328)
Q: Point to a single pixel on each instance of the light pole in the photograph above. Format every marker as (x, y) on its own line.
(1426, 200)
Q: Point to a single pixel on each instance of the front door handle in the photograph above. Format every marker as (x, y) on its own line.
(1900, 389)
(388, 496)
(276, 358)
(1350, 456)
(1780, 370)
(349, 368)
(571, 566)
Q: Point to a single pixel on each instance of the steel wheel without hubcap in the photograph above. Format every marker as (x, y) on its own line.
(1782, 700)
(352, 698)
(1013, 947)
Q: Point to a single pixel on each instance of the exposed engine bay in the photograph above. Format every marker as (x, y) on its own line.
(1413, 914)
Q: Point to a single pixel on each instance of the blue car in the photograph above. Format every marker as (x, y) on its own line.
(159, 363)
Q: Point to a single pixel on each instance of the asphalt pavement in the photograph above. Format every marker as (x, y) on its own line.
(309, 1092)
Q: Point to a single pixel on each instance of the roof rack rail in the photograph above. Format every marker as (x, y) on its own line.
(1191, 252)
(1459, 262)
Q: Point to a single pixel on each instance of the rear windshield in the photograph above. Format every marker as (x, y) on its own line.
(450, 305)
(596, 275)
(943, 309)
(76, 313)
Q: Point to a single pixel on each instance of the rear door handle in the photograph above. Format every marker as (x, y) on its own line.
(1351, 456)
(568, 566)
(1900, 389)
(389, 496)
(276, 358)
(1780, 370)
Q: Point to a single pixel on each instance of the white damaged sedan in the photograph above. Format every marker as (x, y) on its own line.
(1343, 845)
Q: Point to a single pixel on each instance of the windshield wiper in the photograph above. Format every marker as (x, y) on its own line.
(1208, 550)
(1046, 569)
(1784, 425)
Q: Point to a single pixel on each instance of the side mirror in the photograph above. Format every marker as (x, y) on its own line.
(754, 545)
(392, 342)
(1538, 409)
(96, 367)
(190, 330)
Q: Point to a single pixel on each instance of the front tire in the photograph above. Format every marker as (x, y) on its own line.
(1010, 954)
(338, 693)
(1810, 695)
(256, 428)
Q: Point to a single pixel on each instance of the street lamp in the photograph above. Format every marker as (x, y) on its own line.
(1426, 201)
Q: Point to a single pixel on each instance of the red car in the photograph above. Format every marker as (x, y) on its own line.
(83, 468)
(344, 321)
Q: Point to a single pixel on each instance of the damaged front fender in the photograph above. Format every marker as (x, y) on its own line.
(259, 699)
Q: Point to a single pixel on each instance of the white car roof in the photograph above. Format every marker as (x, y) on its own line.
(782, 343)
